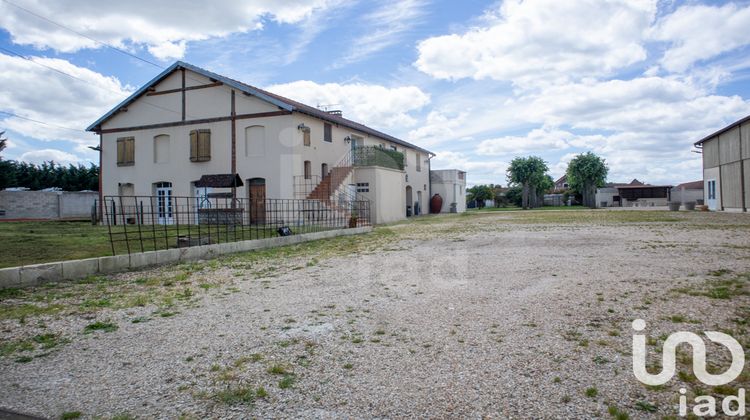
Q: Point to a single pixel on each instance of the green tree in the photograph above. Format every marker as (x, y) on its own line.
(514, 195)
(480, 193)
(47, 175)
(586, 172)
(530, 173)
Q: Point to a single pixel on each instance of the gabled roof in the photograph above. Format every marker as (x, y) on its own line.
(277, 100)
(694, 185)
(563, 178)
(727, 128)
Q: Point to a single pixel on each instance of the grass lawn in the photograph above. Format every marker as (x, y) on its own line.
(37, 242)
(545, 208)
(26, 243)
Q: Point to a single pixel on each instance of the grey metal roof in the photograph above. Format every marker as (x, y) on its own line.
(277, 100)
(725, 129)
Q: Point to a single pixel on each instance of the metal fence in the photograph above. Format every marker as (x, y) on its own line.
(148, 223)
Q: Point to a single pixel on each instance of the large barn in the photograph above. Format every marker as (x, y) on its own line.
(726, 167)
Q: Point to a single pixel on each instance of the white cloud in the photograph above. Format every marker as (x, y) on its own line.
(700, 32)
(438, 126)
(544, 40)
(164, 28)
(539, 139)
(373, 105)
(32, 91)
(644, 105)
(384, 27)
(44, 155)
(478, 171)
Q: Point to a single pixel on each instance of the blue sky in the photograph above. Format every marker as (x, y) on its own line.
(476, 82)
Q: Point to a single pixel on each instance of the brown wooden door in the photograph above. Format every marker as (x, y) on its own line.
(257, 196)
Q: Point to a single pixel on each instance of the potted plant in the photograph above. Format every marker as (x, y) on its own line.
(353, 219)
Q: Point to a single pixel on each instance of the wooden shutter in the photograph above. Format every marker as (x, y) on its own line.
(120, 151)
(194, 145)
(130, 151)
(125, 151)
(306, 138)
(204, 145)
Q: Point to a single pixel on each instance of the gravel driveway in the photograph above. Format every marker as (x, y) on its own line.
(499, 315)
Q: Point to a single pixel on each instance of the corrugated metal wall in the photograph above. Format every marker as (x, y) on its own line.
(729, 146)
(731, 185)
(711, 153)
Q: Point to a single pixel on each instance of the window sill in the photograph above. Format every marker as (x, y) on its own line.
(125, 163)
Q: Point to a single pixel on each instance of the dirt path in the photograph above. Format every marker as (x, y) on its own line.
(505, 315)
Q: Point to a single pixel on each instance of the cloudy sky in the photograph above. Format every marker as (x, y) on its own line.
(477, 82)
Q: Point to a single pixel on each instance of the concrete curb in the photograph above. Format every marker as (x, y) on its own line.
(38, 274)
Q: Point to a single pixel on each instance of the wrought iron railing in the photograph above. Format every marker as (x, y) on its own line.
(148, 223)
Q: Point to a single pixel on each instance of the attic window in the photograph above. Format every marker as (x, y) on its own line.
(327, 132)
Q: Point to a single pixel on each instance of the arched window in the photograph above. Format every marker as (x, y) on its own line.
(255, 140)
(161, 148)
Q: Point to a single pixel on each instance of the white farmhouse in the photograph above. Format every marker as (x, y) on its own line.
(188, 123)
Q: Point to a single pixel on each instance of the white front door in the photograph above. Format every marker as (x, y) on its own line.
(164, 209)
(711, 194)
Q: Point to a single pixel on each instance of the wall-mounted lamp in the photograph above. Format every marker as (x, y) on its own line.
(303, 128)
(348, 139)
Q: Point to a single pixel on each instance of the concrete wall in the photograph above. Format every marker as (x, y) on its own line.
(46, 204)
(606, 195)
(387, 193)
(451, 188)
(38, 274)
(690, 195)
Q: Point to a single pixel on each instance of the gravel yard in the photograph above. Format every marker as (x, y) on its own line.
(503, 314)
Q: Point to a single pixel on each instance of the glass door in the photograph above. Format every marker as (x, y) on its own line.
(164, 210)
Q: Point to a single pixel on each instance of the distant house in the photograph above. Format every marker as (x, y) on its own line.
(451, 185)
(688, 192)
(561, 184)
(633, 194)
(726, 167)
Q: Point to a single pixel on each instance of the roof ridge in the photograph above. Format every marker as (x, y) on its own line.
(276, 99)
